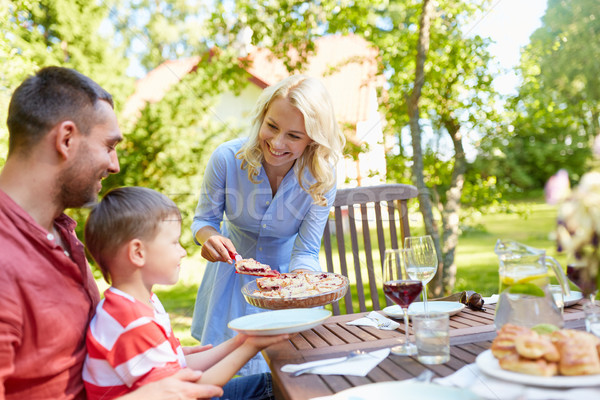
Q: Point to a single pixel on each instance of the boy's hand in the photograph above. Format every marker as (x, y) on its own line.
(217, 248)
(262, 342)
(195, 349)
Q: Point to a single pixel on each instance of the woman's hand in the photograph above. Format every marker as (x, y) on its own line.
(217, 248)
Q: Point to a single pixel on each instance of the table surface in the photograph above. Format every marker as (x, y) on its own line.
(471, 333)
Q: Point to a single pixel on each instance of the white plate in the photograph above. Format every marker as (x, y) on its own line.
(489, 365)
(573, 299)
(405, 390)
(450, 307)
(280, 321)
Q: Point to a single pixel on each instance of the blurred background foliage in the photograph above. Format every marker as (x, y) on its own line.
(520, 140)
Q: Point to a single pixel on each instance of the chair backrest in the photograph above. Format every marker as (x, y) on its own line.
(382, 208)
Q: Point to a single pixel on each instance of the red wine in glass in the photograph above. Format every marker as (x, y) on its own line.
(402, 292)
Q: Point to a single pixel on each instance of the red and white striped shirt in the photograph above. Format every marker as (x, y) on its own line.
(129, 344)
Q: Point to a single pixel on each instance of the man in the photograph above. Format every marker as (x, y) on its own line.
(62, 137)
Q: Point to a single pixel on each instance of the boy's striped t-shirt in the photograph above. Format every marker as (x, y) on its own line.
(129, 344)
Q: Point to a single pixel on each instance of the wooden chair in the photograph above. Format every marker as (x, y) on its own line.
(383, 207)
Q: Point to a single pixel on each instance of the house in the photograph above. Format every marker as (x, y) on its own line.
(347, 65)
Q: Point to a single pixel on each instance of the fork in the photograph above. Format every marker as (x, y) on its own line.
(380, 324)
(352, 354)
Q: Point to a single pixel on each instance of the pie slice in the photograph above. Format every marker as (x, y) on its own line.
(249, 266)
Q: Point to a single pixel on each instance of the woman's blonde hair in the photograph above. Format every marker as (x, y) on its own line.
(310, 97)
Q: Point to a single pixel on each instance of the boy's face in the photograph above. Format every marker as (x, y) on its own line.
(164, 254)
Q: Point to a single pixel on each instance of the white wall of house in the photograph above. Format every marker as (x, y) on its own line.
(371, 166)
(236, 110)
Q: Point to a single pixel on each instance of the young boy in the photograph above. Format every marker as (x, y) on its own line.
(133, 234)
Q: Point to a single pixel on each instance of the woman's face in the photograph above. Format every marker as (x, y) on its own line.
(282, 136)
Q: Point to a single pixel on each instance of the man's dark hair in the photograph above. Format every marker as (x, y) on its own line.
(52, 95)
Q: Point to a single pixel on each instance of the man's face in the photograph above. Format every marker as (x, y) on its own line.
(94, 160)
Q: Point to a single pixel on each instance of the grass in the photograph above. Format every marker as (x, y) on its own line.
(531, 223)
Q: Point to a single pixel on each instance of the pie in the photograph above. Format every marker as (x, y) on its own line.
(250, 266)
(300, 284)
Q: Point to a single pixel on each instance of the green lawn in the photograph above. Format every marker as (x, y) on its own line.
(477, 265)
(533, 223)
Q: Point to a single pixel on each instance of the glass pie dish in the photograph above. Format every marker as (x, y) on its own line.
(252, 295)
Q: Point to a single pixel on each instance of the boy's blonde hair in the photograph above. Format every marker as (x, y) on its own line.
(124, 214)
(310, 97)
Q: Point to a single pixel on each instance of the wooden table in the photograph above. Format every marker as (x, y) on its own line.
(471, 332)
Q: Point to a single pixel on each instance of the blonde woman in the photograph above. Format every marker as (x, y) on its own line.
(266, 197)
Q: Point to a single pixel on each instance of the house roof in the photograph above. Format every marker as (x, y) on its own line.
(347, 66)
(153, 87)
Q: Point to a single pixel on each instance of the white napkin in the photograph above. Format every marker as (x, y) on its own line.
(471, 377)
(493, 299)
(376, 320)
(358, 366)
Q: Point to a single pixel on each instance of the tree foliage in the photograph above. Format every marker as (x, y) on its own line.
(56, 32)
(555, 115)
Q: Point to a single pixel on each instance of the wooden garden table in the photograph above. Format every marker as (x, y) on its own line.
(471, 332)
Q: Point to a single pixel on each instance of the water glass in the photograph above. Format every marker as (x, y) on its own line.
(432, 337)
(592, 317)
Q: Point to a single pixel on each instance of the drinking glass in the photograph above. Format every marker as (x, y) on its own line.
(581, 275)
(422, 261)
(399, 288)
(432, 333)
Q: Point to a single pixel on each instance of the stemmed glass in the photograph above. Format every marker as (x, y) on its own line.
(581, 275)
(399, 288)
(422, 261)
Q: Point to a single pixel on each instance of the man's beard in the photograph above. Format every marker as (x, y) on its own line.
(78, 184)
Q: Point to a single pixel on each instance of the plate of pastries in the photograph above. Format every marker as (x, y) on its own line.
(547, 356)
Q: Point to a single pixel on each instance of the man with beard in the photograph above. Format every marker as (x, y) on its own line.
(62, 137)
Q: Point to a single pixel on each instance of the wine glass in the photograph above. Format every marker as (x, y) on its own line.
(422, 261)
(399, 288)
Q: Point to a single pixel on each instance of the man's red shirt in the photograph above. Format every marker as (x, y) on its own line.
(47, 297)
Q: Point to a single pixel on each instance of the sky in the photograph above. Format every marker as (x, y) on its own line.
(509, 23)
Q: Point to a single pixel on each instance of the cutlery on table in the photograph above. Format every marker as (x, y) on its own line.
(352, 354)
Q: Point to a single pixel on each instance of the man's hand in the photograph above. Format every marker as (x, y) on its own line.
(180, 386)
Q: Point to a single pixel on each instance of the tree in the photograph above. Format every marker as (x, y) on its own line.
(154, 31)
(554, 118)
(42, 33)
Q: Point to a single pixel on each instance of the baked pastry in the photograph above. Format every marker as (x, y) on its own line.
(578, 352)
(533, 346)
(504, 344)
(301, 284)
(249, 266)
(565, 352)
(517, 363)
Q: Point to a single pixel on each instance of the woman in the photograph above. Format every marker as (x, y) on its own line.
(272, 193)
